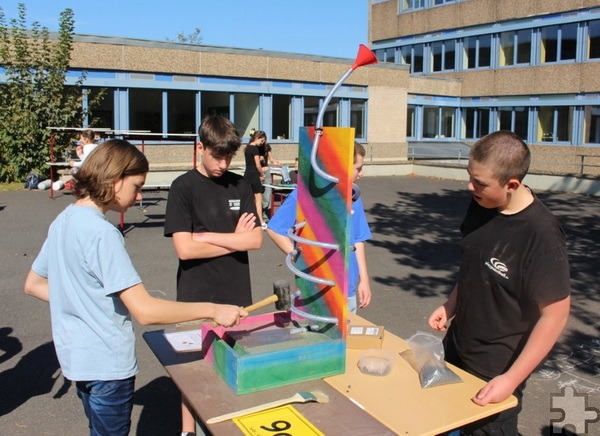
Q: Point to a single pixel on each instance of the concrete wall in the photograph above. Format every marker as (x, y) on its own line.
(171, 58)
(539, 80)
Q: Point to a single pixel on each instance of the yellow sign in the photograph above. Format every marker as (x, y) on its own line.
(281, 421)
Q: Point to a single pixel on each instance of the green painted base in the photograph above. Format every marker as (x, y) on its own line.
(260, 354)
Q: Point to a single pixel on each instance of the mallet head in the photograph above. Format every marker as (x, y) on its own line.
(281, 288)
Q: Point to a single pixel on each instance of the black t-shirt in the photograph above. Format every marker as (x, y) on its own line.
(509, 264)
(198, 203)
(249, 152)
(263, 152)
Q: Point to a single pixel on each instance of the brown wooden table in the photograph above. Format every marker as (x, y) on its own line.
(359, 404)
(209, 396)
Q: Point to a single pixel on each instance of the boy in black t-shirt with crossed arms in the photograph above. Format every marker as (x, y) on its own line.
(212, 218)
(512, 297)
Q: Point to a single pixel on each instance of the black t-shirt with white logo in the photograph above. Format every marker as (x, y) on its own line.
(198, 203)
(509, 264)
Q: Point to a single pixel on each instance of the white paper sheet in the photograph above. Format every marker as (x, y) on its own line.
(187, 340)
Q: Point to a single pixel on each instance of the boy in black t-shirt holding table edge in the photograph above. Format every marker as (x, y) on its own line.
(512, 297)
(212, 218)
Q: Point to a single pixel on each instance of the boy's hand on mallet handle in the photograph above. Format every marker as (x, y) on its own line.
(228, 315)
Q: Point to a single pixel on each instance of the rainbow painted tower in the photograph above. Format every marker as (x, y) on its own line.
(307, 342)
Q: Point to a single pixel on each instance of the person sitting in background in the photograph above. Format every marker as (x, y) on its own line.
(86, 145)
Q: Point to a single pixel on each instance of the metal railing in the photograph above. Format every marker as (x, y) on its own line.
(542, 162)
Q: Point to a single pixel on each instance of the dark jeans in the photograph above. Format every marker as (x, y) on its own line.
(107, 405)
(503, 423)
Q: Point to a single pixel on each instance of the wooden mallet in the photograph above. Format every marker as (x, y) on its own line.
(262, 303)
(281, 296)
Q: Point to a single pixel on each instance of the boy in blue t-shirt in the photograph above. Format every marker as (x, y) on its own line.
(358, 278)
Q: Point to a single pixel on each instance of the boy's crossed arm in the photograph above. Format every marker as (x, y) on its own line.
(205, 245)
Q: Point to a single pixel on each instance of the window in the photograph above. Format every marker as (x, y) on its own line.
(515, 119)
(246, 113)
(215, 103)
(282, 109)
(437, 56)
(103, 113)
(515, 48)
(410, 121)
(443, 56)
(390, 55)
(358, 117)
(554, 124)
(182, 112)
(591, 130)
(311, 110)
(430, 122)
(417, 65)
(145, 110)
(594, 40)
(409, 5)
(447, 122)
(412, 55)
(477, 51)
(521, 121)
(438, 122)
(331, 115)
(386, 55)
(476, 122)
(559, 43)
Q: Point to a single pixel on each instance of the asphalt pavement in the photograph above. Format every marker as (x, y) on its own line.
(412, 259)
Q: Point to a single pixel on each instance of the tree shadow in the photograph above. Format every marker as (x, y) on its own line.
(575, 351)
(421, 233)
(34, 374)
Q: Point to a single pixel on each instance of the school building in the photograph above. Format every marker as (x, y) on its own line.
(477, 66)
(450, 71)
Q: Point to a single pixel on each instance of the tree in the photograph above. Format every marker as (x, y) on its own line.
(192, 38)
(35, 95)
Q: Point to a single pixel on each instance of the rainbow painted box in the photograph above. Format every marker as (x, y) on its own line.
(271, 350)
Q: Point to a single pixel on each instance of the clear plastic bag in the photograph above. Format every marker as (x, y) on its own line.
(428, 352)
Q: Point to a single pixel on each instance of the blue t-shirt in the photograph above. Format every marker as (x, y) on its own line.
(285, 218)
(86, 264)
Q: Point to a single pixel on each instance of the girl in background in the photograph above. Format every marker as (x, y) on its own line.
(254, 169)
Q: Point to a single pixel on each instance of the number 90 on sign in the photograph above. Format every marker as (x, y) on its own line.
(281, 421)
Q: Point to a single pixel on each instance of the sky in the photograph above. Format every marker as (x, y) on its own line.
(317, 27)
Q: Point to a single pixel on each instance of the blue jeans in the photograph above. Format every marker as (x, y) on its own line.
(107, 405)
